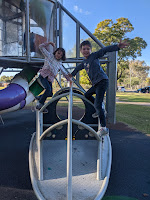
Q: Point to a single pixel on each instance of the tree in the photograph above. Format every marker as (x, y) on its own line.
(84, 79)
(138, 69)
(148, 81)
(6, 78)
(109, 33)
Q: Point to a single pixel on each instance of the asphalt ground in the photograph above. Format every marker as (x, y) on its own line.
(130, 174)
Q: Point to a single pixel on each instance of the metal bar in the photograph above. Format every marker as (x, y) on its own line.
(27, 31)
(74, 122)
(39, 130)
(69, 148)
(1, 119)
(99, 156)
(111, 91)
(77, 47)
(60, 27)
(60, 87)
(77, 40)
(91, 125)
(1, 70)
(40, 60)
(17, 15)
(55, 21)
(74, 80)
(106, 179)
(82, 26)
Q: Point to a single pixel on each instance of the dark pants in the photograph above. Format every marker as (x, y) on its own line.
(48, 89)
(99, 89)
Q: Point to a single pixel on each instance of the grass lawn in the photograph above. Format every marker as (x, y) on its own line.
(135, 116)
(133, 97)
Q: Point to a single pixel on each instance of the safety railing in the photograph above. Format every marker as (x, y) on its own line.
(41, 135)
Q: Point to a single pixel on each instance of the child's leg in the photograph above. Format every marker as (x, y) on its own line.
(48, 89)
(89, 94)
(101, 88)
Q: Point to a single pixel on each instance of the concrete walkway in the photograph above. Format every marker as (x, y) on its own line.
(134, 103)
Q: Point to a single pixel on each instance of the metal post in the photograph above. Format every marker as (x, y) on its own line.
(1, 70)
(60, 26)
(1, 119)
(69, 148)
(59, 78)
(27, 31)
(39, 130)
(77, 47)
(111, 92)
(55, 23)
(99, 156)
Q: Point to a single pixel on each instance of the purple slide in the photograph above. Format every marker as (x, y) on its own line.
(11, 96)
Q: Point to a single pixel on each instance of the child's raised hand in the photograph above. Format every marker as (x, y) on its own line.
(52, 43)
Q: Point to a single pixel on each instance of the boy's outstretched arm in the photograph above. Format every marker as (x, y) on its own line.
(111, 48)
(77, 69)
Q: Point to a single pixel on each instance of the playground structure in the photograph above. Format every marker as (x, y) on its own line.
(78, 168)
(23, 26)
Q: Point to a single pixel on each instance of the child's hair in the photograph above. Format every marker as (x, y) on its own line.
(85, 42)
(63, 51)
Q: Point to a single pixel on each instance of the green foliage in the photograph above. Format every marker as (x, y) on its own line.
(135, 74)
(148, 81)
(84, 79)
(138, 69)
(109, 33)
(6, 78)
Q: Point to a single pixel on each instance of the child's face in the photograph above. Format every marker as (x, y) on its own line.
(86, 51)
(58, 55)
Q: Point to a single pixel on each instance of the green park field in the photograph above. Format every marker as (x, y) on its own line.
(136, 116)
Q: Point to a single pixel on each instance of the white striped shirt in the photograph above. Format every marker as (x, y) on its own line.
(51, 65)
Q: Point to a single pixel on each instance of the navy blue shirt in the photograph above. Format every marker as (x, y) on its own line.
(92, 65)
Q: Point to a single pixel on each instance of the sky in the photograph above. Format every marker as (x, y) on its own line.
(90, 13)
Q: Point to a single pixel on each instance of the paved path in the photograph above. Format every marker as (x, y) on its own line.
(15, 137)
(134, 103)
(130, 175)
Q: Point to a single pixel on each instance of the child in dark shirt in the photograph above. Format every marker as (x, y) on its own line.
(98, 77)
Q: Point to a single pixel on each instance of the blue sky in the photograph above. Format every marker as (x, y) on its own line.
(90, 13)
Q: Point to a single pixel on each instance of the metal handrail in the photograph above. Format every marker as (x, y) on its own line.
(81, 25)
(69, 147)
